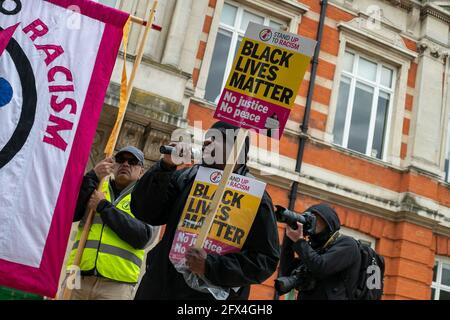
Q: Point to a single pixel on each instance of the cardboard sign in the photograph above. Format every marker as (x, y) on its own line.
(234, 218)
(266, 76)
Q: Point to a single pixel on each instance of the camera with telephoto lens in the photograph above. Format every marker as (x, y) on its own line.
(300, 279)
(307, 219)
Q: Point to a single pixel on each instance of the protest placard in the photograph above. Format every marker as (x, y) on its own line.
(233, 221)
(263, 83)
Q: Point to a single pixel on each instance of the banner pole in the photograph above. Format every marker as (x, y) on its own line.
(217, 199)
(142, 22)
(109, 150)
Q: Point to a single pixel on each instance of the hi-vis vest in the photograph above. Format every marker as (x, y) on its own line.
(105, 252)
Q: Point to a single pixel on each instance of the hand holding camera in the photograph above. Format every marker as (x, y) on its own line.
(295, 234)
(306, 222)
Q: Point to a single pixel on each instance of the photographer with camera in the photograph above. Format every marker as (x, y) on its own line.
(328, 263)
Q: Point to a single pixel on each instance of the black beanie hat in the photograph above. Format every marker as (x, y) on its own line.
(223, 126)
(328, 214)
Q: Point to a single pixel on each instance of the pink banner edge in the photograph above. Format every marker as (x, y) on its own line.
(37, 280)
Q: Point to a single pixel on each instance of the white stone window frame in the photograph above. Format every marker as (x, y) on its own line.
(376, 85)
(278, 11)
(359, 236)
(376, 50)
(436, 285)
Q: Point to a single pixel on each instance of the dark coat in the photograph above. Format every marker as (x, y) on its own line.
(133, 231)
(159, 199)
(334, 269)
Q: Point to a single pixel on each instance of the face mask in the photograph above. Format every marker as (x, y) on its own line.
(319, 239)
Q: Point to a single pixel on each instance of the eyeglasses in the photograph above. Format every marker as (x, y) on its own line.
(131, 162)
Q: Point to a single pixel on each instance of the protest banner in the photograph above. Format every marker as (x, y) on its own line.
(55, 74)
(266, 75)
(232, 224)
(125, 95)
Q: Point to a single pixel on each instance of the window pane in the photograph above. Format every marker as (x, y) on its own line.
(275, 25)
(218, 65)
(435, 271)
(444, 295)
(228, 14)
(380, 124)
(433, 292)
(237, 47)
(341, 110)
(367, 69)
(386, 77)
(445, 279)
(348, 61)
(359, 125)
(247, 17)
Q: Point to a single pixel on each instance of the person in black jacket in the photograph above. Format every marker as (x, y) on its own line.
(112, 258)
(332, 260)
(159, 199)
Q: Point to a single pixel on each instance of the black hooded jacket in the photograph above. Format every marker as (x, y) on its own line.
(335, 269)
(158, 199)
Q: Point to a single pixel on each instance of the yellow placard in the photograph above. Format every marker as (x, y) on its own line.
(266, 72)
(234, 217)
(233, 220)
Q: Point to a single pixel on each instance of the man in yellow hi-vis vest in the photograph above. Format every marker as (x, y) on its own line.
(114, 251)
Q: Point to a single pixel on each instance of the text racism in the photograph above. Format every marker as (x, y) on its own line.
(60, 80)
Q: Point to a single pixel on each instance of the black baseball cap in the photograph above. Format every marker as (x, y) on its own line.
(138, 154)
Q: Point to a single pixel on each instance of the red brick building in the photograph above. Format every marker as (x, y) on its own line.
(377, 147)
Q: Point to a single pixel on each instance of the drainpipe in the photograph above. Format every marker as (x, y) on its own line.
(305, 123)
(445, 123)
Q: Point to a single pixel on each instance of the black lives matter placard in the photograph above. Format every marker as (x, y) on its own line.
(233, 220)
(266, 76)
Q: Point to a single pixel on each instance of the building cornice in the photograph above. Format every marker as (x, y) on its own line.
(291, 6)
(145, 108)
(148, 61)
(404, 4)
(384, 37)
(406, 210)
(294, 6)
(435, 11)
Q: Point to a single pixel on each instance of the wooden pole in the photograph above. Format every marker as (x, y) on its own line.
(217, 199)
(140, 53)
(143, 22)
(84, 235)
